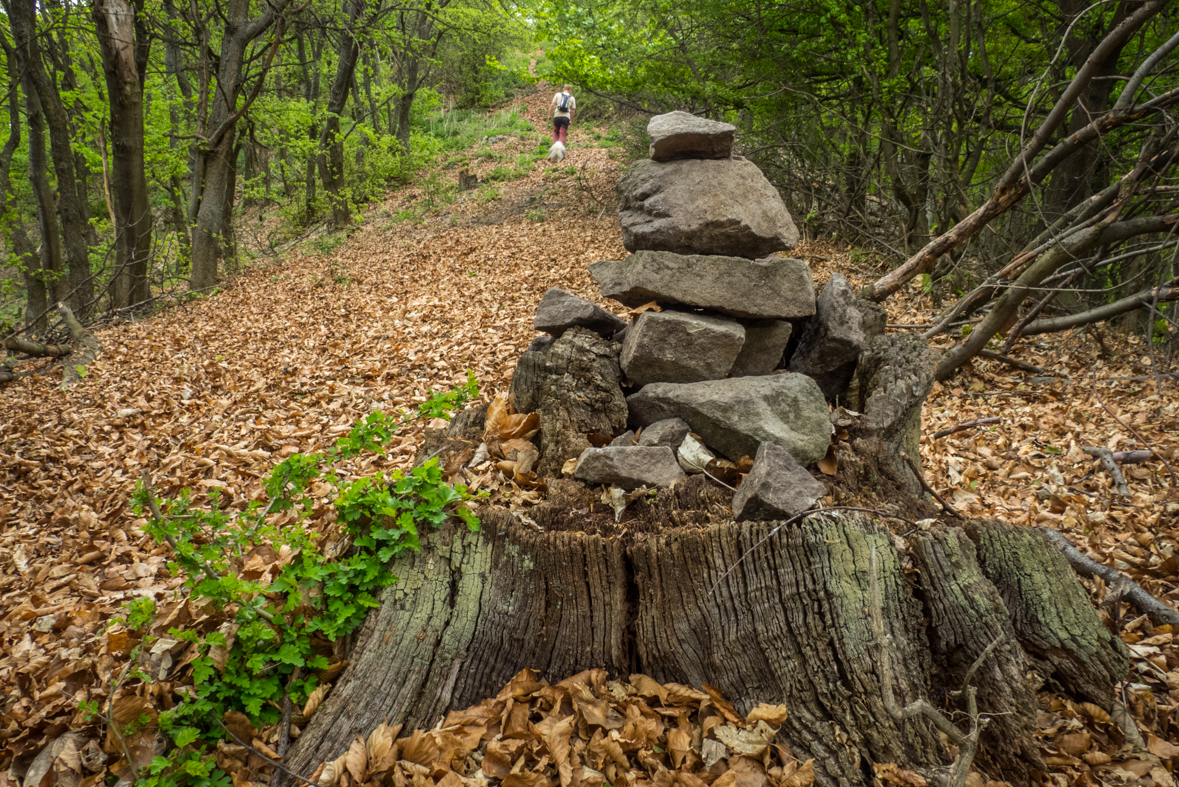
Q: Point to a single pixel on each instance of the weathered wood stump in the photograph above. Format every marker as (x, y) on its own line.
(789, 624)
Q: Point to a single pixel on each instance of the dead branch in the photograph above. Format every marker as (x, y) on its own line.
(1021, 365)
(925, 485)
(1106, 457)
(966, 425)
(87, 346)
(1142, 601)
(284, 731)
(1138, 300)
(264, 757)
(36, 349)
(1137, 436)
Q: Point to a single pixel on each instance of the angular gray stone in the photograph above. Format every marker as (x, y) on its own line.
(628, 467)
(718, 206)
(832, 340)
(681, 135)
(670, 432)
(559, 311)
(626, 438)
(540, 344)
(678, 347)
(765, 344)
(776, 288)
(734, 417)
(776, 488)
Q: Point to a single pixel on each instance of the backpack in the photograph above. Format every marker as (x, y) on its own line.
(564, 105)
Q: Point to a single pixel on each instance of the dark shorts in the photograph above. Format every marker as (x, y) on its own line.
(560, 122)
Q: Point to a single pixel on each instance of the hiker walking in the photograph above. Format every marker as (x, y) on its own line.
(565, 105)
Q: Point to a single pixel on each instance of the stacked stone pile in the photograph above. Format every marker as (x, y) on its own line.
(706, 363)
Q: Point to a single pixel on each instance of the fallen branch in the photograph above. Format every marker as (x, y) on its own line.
(1133, 457)
(284, 730)
(1130, 590)
(36, 349)
(1107, 460)
(1137, 436)
(966, 425)
(87, 350)
(1021, 365)
(263, 756)
(1102, 313)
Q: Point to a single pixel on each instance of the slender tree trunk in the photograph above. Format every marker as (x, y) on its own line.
(219, 182)
(115, 21)
(331, 144)
(51, 263)
(22, 249)
(22, 17)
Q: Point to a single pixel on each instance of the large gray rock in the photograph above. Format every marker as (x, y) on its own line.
(677, 347)
(629, 467)
(775, 287)
(765, 344)
(736, 416)
(719, 206)
(776, 488)
(681, 135)
(559, 311)
(832, 340)
(670, 432)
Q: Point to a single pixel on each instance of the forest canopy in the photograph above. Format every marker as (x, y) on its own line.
(140, 133)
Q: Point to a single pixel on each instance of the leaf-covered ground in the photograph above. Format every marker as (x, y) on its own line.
(212, 393)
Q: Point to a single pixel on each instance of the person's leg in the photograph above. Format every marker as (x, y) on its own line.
(556, 130)
(562, 128)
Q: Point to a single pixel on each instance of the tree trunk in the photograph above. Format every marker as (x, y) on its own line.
(219, 163)
(119, 40)
(23, 253)
(22, 18)
(788, 625)
(331, 144)
(52, 266)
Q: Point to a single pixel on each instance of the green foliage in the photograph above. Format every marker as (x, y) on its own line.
(278, 628)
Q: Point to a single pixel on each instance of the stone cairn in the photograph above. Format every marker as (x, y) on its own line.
(732, 355)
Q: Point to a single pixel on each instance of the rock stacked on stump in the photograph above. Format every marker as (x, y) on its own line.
(707, 365)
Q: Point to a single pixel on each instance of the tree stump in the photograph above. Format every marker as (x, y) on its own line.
(790, 623)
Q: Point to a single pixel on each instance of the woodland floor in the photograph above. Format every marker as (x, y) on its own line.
(211, 394)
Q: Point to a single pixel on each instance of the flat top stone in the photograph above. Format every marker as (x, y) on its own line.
(774, 287)
(682, 135)
(628, 466)
(680, 347)
(703, 206)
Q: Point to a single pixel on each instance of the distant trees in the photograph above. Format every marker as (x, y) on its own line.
(139, 129)
(910, 127)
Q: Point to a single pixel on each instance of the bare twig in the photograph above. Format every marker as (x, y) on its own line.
(794, 519)
(925, 485)
(1111, 466)
(967, 743)
(284, 732)
(264, 757)
(1137, 436)
(1142, 601)
(1018, 364)
(965, 425)
(110, 720)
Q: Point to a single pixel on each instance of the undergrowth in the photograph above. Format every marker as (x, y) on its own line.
(277, 624)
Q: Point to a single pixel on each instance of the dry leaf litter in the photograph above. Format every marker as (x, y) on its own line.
(211, 394)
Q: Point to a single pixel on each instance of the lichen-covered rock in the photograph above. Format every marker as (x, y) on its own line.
(832, 340)
(628, 467)
(681, 135)
(736, 416)
(679, 347)
(559, 311)
(765, 345)
(719, 206)
(774, 288)
(777, 487)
